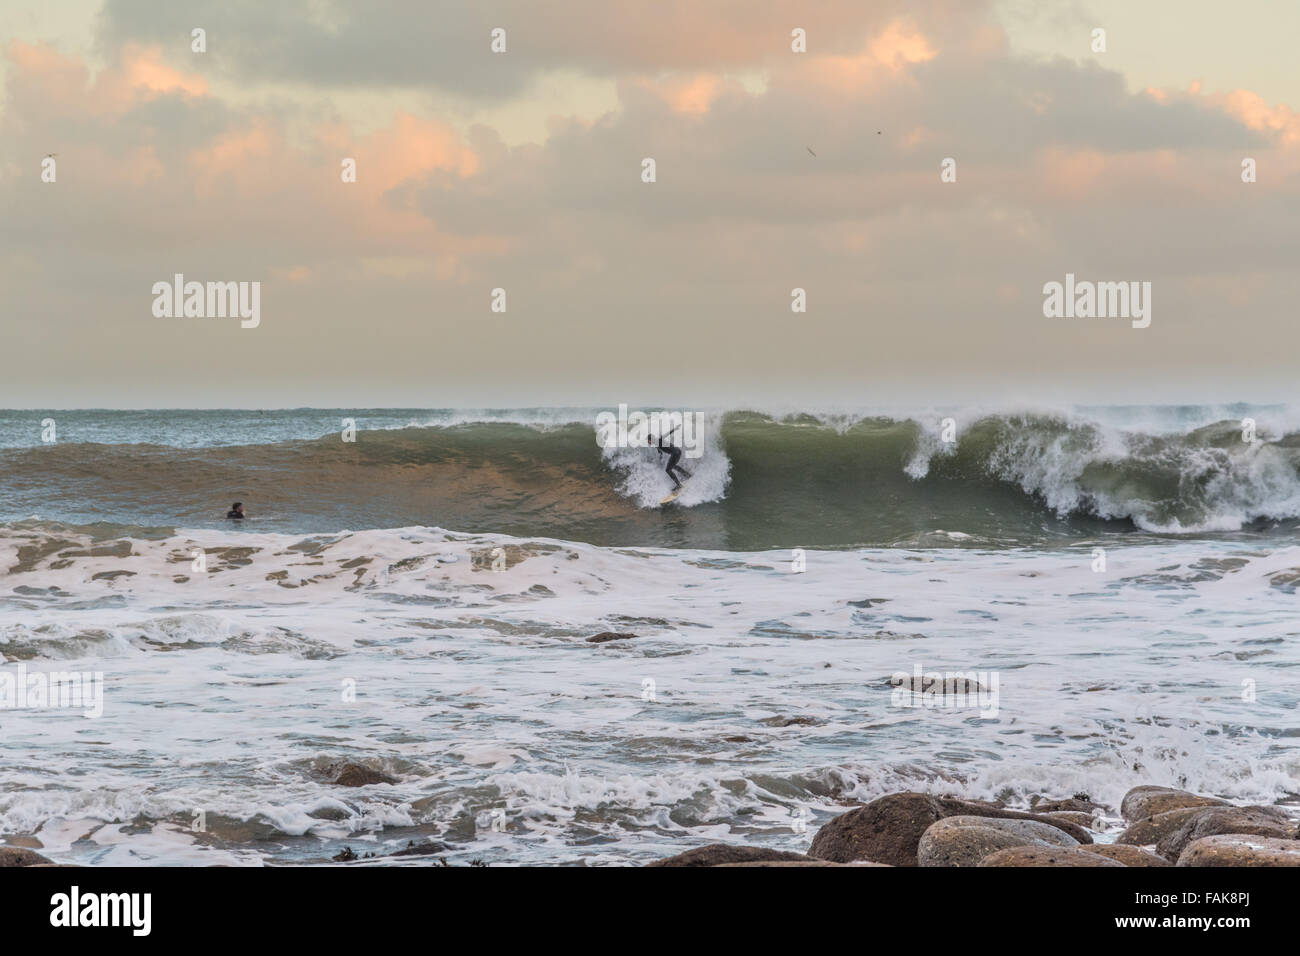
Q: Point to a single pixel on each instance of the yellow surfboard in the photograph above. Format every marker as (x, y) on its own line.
(673, 495)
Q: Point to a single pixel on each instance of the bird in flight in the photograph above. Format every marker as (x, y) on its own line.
(809, 148)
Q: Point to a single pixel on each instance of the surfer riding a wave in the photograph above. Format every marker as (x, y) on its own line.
(674, 456)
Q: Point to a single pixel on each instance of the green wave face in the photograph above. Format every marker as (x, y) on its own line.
(1005, 480)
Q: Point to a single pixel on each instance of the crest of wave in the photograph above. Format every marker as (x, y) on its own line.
(641, 466)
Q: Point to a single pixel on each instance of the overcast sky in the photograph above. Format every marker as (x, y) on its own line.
(523, 171)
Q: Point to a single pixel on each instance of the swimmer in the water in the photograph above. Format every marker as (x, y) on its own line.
(236, 510)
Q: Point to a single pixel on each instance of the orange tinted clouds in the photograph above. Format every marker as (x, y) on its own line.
(1252, 110)
(252, 160)
(413, 147)
(143, 69)
(899, 45)
(884, 56)
(40, 71)
(138, 75)
(239, 157)
(693, 94)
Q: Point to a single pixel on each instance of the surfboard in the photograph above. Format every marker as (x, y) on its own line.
(672, 496)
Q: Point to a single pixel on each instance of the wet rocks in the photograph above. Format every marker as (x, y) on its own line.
(965, 840)
(1216, 821)
(780, 721)
(795, 863)
(1079, 803)
(605, 636)
(889, 829)
(1147, 801)
(920, 829)
(19, 856)
(355, 775)
(1046, 856)
(1231, 849)
(1151, 830)
(716, 854)
(943, 685)
(1128, 855)
(432, 848)
(1078, 818)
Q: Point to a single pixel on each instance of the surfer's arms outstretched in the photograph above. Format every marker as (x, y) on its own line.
(674, 456)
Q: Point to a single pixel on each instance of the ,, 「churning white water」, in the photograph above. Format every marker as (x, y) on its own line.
(752, 700)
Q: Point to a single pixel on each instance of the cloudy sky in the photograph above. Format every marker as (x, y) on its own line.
(523, 171)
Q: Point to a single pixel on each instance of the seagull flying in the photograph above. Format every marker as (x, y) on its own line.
(809, 148)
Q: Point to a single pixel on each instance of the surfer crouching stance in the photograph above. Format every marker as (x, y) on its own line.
(674, 456)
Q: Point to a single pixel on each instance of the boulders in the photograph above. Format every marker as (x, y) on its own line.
(1128, 855)
(779, 721)
(1230, 849)
(1069, 816)
(1077, 804)
(355, 775)
(716, 854)
(1141, 802)
(937, 684)
(965, 840)
(964, 846)
(1047, 856)
(1154, 829)
(919, 829)
(796, 863)
(886, 830)
(432, 848)
(889, 829)
(1213, 821)
(604, 636)
(18, 856)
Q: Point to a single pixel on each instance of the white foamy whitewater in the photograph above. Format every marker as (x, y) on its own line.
(747, 698)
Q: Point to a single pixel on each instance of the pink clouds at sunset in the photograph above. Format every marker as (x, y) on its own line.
(169, 154)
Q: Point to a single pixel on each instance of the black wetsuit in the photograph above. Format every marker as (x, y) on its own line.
(674, 456)
(234, 514)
